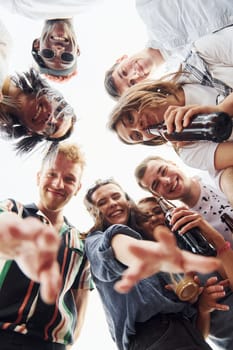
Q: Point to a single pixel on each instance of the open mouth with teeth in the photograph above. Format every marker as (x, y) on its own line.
(174, 186)
(60, 39)
(116, 213)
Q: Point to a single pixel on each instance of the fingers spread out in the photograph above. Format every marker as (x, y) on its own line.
(50, 283)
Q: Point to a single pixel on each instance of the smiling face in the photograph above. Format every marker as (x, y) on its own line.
(166, 179)
(152, 216)
(112, 204)
(131, 70)
(58, 183)
(133, 126)
(45, 114)
(58, 44)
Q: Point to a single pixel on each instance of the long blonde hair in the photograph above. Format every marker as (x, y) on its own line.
(147, 94)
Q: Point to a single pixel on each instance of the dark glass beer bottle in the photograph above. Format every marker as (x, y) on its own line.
(216, 127)
(228, 220)
(193, 239)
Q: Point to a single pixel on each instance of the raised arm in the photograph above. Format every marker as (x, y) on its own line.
(189, 219)
(145, 258)
(34, 248)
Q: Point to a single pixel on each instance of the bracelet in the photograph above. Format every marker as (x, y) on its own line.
(225, 248)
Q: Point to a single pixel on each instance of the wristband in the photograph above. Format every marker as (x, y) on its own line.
(225, 248)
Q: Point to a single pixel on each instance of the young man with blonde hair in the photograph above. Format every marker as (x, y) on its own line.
(25, 319)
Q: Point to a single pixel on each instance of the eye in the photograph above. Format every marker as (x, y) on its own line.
(116, 196)
(157, 211)
(132, 82)
(100, 203)
(164, 171)
(130, 118)
(136, 136)
(51, 174)
(69, 179)
(124, 72)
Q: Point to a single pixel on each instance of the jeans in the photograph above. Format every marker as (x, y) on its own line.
(167, 332)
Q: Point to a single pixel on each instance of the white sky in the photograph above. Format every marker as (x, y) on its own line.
(104, 34)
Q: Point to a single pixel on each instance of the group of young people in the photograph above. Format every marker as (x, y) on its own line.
(130, 255)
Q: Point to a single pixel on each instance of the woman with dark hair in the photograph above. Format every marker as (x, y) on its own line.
(32, 111)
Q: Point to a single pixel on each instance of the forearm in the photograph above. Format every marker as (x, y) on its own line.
(120, 244)
(227, 105)
(203, 323)
(225, 255)
(81, 299)
(226, 184)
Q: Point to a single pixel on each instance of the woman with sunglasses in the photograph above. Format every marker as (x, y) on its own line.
(215, 295)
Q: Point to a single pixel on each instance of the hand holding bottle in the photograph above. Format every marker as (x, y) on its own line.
(192, 238)
(178, 117)
(216, 127)
(185, 219)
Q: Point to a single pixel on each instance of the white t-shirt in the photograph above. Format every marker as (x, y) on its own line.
(172, 24)
(5, 49)
(200, 154)
(47, 9)
(211, 205)
(217, 50)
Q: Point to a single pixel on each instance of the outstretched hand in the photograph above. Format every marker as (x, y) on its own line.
(163, 255)
(34, 247)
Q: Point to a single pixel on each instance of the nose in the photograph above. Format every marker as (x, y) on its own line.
(165, 181)
(133, 77)
(58, 49)
(58, 182)
(112, 203)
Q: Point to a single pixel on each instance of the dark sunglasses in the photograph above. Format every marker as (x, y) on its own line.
(49, 54)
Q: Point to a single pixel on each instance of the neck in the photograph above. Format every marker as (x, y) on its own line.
(193, 194)
(55, 217)
(180, 96)
(156, 56)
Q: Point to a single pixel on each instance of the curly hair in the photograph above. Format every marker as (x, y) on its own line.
(30, 83)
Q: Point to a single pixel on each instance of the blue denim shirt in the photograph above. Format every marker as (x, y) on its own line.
(148, 298)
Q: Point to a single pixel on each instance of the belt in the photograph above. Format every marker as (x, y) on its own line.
(13, 337)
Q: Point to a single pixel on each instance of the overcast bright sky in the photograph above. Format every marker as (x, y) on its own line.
(104, 34)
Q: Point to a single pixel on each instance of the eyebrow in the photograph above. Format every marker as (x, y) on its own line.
(155, 182)
(122, 78)
(119, 74)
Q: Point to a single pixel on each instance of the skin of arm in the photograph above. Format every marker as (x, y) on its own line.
(188, 219)
(34, 247)
(179, 117)
(81, 297)
(207, 302)
(145, 258)
(226, 181)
